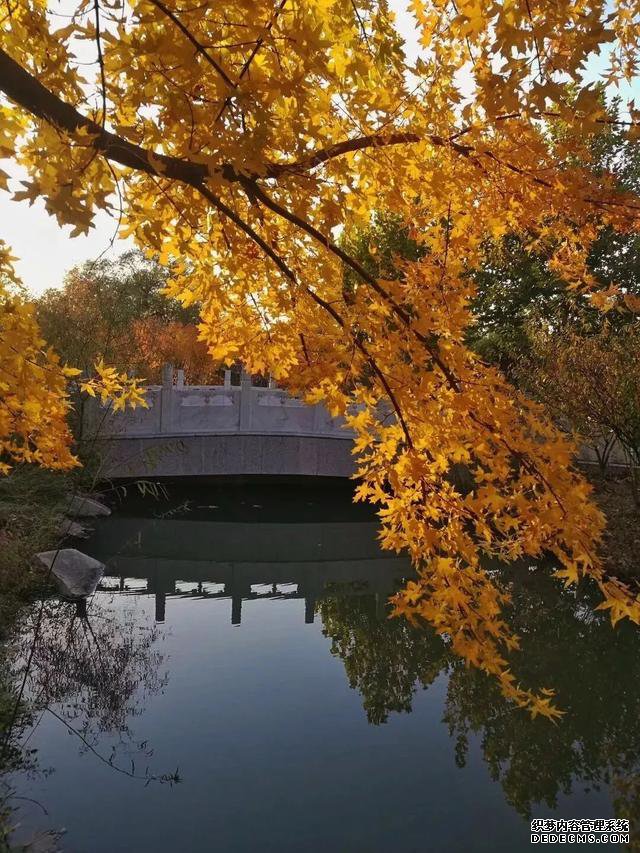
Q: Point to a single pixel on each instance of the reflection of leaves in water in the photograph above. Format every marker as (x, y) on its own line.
(595, 668)
(180, 510)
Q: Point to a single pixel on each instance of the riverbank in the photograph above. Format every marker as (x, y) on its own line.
(32, 504)
(621, 541)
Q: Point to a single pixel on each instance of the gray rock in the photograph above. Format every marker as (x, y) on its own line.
(77, 574)
(83, 507)
(42, 842)
(68, 527)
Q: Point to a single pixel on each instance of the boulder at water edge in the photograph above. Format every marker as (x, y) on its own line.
(77, 574)
(68, 527)
(82, 507)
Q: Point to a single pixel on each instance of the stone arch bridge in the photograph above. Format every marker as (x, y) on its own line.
(218, 430)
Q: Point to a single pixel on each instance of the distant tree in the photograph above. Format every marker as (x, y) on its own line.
(35, 384)
(518, 291)
(382, 248)
(158, 342)
(516, 287)
(592, 384)
(513, 286)
(92, 315)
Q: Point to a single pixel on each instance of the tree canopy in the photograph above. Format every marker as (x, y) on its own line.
(237, 139)
(90, 316)
(115, 310)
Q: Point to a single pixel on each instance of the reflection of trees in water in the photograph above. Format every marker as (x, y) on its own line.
(98, 674)
(99, 667)
(14, 719)
(14, 716)
(565, 644)
(626, 800)
(386, 660)
(92, 669)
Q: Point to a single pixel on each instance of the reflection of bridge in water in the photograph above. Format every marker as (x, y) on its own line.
(200, 558)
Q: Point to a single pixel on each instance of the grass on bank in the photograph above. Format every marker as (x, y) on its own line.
(32, 504)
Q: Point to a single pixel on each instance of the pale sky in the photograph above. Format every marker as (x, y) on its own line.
(45, 251)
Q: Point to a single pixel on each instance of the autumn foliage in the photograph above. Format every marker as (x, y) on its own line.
(592, 383)
(115, 310)
(243, 135)
(33, 426)
(35, 387)
(159, 343)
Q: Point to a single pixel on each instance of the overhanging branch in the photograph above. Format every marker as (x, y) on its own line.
(361, 143)
(24, 89)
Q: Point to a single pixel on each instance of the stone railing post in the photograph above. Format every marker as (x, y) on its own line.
(227, 379)
(179, 378)
(246, 401)
(318, 417)
(166, 399)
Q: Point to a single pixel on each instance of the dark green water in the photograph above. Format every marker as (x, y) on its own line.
(242, 641)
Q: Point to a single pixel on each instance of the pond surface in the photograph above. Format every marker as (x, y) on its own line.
(237, 686)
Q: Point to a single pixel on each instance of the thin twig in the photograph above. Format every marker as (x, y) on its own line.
(96, 9)
(194, 41)
(250, 58)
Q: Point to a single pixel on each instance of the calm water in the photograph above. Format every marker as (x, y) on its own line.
(238, 687)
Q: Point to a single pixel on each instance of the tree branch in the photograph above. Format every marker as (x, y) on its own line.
(255, 191)
(23, 88)
(194, 41)
(326, 306)
(103, 82)
(221, 207)
(360, 143)
(251, 56)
